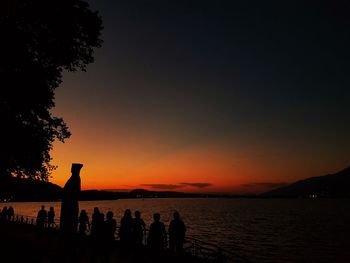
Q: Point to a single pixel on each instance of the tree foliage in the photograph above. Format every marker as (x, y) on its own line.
(40, 39)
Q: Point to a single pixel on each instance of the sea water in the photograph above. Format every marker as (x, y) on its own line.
(262, 230)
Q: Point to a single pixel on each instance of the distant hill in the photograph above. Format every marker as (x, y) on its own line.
(88, 195)
(331, 185)
(16, 189)
(142, 193)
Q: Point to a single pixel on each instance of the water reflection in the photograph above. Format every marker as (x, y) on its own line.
(264, 230)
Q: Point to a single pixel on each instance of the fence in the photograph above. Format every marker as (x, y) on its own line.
(208, 252)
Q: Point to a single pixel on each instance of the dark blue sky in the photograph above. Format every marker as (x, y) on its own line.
(259, 76)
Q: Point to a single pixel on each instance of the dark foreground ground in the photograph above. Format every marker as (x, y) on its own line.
(27, 243)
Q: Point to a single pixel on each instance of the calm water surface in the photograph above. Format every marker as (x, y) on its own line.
(263, 230)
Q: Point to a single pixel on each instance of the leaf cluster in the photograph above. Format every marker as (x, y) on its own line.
(40, 39)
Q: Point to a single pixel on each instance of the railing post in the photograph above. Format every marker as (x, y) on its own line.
(145, 238)
(220, 258)
(195, 251)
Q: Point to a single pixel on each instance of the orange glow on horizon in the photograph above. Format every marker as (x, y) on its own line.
(131, 166)
(117, 157)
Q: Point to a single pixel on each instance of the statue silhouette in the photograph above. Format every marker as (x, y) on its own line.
(70, 205)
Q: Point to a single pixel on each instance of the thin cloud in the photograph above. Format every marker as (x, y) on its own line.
(264, 185)
(197, 185)
(177, 186)
(163, 186)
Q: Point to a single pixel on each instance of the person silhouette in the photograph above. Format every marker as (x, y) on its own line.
(10, 213)
(157, 237)
(83, 222)
(109, 227)
(107, 238)
(4, 214)
(70, 205)
(96, 223)
(177, 230)
(50, 217)
(41, 218)
(138, 229)
(98, 236)
(125, 230)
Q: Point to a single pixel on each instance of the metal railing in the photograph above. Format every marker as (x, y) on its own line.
(211, 252)
(31, 220)
(206, 251)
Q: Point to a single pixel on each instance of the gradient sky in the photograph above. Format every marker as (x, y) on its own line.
(210, 96)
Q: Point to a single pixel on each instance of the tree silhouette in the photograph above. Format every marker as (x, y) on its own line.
(39, 40)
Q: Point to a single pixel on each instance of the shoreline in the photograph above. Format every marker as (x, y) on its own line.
(188, 197)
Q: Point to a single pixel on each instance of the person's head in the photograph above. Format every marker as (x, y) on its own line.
(76, 168)
(83, 212)
(109, 215)
(176, 215)
(156, 217)
(96, 210)
(51, 208)
(42, 207)
(137, 214)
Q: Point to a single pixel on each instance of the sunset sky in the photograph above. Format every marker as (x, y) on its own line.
(209, 96)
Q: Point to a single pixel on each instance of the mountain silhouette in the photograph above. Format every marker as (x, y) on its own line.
(19, 189)
(331, 185)
(16, 189)
(143, 193)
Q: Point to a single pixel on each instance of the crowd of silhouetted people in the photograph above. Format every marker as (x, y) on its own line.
(7, 213)
(132, 231)
(45, 218)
